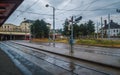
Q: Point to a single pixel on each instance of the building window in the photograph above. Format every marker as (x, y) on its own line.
(117, 30)
(114, 30)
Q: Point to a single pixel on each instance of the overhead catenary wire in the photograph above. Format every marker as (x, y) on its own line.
(88, 10)
(78, 7)
(28, 8)
(110, 4)
(99, 9)
(66, 5)
(88, 6)
(35, 13)
(22, 12)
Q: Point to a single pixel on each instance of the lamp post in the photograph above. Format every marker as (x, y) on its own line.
(71, 36)
(108, 26)
(101, 28)
(53, 24)
(25, 29)
(29, 30)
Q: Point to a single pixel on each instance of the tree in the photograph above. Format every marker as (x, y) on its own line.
(118, 34)
(87, 28)
(66, 28)
(45, 29)
(76, 30)
(39, 29)
(90, 27)
(83, 29)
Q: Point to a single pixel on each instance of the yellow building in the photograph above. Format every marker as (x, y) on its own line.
(7, 27)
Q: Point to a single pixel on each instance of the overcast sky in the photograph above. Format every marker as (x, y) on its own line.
(88, 9)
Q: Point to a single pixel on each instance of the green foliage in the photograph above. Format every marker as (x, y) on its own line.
(39, 29)
(118, 34)
(90, 27)
(66, 31)
(98, 42)
(76, 30)
(87, 28)
(82, 29)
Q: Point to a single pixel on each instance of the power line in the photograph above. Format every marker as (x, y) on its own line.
(35, 13)
(88, 6)
(28, 8)
(85, 4)
(87, 10)
(66, 5)
(99, 9)
(110, 4)
(79, 7)
(22, 12)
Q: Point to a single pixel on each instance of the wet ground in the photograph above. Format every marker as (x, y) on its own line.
(90, 49)
(42, 63)
(7, 67)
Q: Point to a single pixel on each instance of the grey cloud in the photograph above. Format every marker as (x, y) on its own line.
(39, 7)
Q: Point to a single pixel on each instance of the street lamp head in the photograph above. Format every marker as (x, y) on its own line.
(118, 10)
(24, 18)
(47, 5)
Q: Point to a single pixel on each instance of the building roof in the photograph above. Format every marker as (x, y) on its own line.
(113, 25)
(28, 21)
(6, 24)
(7, 7)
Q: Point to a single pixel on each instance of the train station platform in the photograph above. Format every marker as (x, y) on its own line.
(105, 60)
(7, 67)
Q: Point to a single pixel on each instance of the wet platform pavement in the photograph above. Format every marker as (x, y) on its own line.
(7, 67)
(112, 61)
(39, 63)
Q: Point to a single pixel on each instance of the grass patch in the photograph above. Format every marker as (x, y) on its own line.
(61, 40)
(40, 40)
(47, 40)
(93, 42)
(99, 42)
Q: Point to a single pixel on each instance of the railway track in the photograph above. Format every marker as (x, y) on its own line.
(69, 66)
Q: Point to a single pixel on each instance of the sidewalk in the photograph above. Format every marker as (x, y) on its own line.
(92, 57)
(7, 67)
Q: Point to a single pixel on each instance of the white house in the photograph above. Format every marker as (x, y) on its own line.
(114, 29)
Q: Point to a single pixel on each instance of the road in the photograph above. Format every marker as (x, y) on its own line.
(37, 62)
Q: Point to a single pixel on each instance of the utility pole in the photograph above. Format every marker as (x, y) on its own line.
(97, 29)
(29, 31)
(108, 26)
(49, 37)
(71, 36)
(101, 28)
(53, 27)
(53, 23)
(25, 28)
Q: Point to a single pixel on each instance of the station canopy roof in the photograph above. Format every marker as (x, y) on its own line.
(7, 7)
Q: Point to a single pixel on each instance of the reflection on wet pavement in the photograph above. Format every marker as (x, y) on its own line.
(90, 49)
(38, 63)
